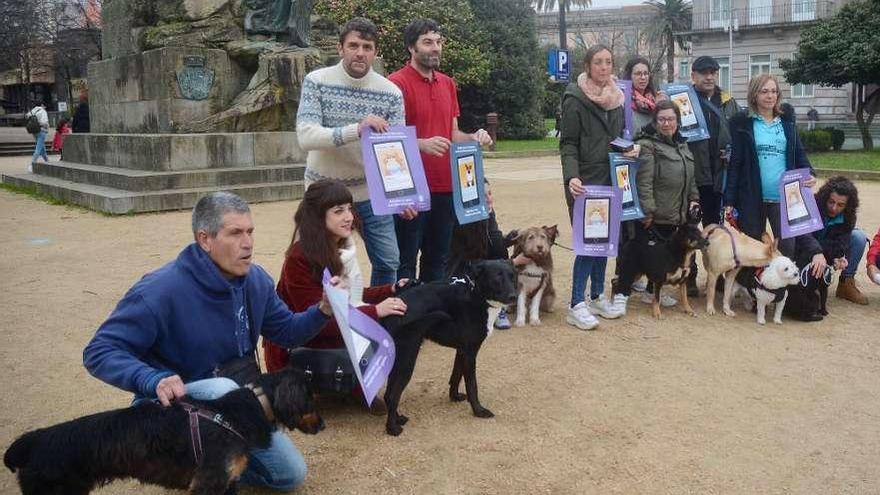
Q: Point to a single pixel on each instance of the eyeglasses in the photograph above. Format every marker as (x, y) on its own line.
(769, 91)
(667, 120)
(641, 74)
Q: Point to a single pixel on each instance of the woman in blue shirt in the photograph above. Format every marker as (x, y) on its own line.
(765, 143)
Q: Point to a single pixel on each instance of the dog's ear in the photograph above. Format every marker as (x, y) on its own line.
(511, 238)
(551, 232)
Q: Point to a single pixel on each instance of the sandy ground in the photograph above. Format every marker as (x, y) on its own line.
(685, 405)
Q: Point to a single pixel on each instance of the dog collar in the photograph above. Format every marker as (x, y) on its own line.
(264, 401)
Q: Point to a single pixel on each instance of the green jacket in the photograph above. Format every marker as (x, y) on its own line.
(585, 134)
(665, 180)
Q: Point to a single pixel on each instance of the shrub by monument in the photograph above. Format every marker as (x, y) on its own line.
(816, 140)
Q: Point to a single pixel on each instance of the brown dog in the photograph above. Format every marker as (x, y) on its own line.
(729, 251)
(535, 279)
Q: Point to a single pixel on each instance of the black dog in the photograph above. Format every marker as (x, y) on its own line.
(158, 445)
(808, 302)
(452, 313)
(663, 261)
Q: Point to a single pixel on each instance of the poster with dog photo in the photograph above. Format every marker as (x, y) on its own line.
(596, 221)
(370, 347)
(693, 123)
(394, 171)
(468, 188)
(623, 176)
(798, 211)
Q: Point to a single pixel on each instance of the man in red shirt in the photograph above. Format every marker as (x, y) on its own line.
(431, 104)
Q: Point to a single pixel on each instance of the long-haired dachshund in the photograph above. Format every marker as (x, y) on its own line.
(194, 445)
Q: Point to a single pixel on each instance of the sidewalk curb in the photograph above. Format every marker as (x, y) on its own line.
(520, 154)
(849, 174)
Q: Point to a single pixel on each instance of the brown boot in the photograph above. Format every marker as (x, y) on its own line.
(847, 289)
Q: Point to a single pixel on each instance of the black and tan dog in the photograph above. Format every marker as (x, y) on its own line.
(663, 261)
(158, 445)
(456, 313)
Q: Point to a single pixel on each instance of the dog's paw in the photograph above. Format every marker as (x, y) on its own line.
(691, 313)
(762, 322)
(393, 429)
(484, 413)
(534, 322)
(729, 312)
(710, 310)
(457, 396)
(401, 419)
(777, 321)
(519, 322)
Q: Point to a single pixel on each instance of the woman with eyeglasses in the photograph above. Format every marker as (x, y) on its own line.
(764, 144)
(644, 98)
(665, 181)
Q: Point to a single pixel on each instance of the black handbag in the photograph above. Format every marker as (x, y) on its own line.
(242, 370)
(326, 370)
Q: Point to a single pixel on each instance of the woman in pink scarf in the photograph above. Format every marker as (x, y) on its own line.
(644, 98)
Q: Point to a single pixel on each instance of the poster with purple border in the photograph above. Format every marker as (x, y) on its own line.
(468, 188)
(596, 221)
(627, 87)
(394, 171)
(798, 211)
(693, 123)
(369, 346)
(623, 176)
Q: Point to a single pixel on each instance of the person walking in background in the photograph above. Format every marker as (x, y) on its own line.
(62, 129)
(39, 115)
(592, 117)
(431, 102)
(812, 118)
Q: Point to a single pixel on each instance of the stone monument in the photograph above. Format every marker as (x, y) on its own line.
(191, 96)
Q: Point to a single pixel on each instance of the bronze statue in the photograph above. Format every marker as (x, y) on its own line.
(288, 21)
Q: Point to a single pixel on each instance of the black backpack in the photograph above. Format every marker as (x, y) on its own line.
(32, 125)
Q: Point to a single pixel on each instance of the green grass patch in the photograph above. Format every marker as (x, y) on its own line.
(39, 196)
(847, 160)
(550, 124)
(550, 143)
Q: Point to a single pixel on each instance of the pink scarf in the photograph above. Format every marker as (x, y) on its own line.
(643, 103)
(608, 96)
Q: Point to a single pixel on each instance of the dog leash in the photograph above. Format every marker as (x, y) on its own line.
(561, 246)
(805, 274)
(195, 435)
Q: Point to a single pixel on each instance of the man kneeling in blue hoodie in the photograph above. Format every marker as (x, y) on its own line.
(178, 325)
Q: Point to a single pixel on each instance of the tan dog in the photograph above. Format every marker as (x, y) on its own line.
(729, 251)
(535, 279)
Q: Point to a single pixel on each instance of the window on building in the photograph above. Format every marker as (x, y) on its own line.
(760, 11)
(684, 70)
(803, 10)
(801, 90)
(759, 64)
(723, 72)
(719, 13)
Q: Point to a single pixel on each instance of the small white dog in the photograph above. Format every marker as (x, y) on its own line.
(768, 286)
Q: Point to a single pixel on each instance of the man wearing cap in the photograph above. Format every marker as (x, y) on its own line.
(710, 155)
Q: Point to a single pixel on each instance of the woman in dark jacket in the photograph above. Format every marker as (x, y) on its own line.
(753, 178)
(592, 117)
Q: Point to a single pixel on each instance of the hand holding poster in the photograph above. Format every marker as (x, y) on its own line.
(623, 176)
(394, 171)
(693, 123)
(369, 346)
(798, 211)
(596, 221)
(468, 189)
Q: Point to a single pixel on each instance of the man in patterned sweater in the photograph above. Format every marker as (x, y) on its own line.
(337, 104)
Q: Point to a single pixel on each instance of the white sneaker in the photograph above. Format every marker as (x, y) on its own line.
(666, 300)
(640, 285)
(619, 303)
(581, 317)
(604, 308)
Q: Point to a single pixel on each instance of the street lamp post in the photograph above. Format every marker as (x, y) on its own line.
(732, 25)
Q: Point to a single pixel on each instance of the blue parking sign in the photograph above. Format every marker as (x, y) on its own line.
(558, 65)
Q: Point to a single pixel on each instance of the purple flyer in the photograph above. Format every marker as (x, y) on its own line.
(798, 211)
(596, 221)
(394, 171)
(623, 176)
(369, 346)
(627, 88)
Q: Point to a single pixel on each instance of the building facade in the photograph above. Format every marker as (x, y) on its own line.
(764, 32)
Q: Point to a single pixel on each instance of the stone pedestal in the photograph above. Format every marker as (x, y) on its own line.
(157, 90)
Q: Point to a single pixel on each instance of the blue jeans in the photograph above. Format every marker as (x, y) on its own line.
(381, 243)
(40, 149)
(280, 467)
(857, 243)
(430, 232)
(587, 267)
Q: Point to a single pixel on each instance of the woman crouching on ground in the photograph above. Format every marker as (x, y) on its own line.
(322, 237)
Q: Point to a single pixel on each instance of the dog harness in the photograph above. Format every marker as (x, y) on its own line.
(732, 242)
(542, 276)
(195, 435)
(778, 294)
